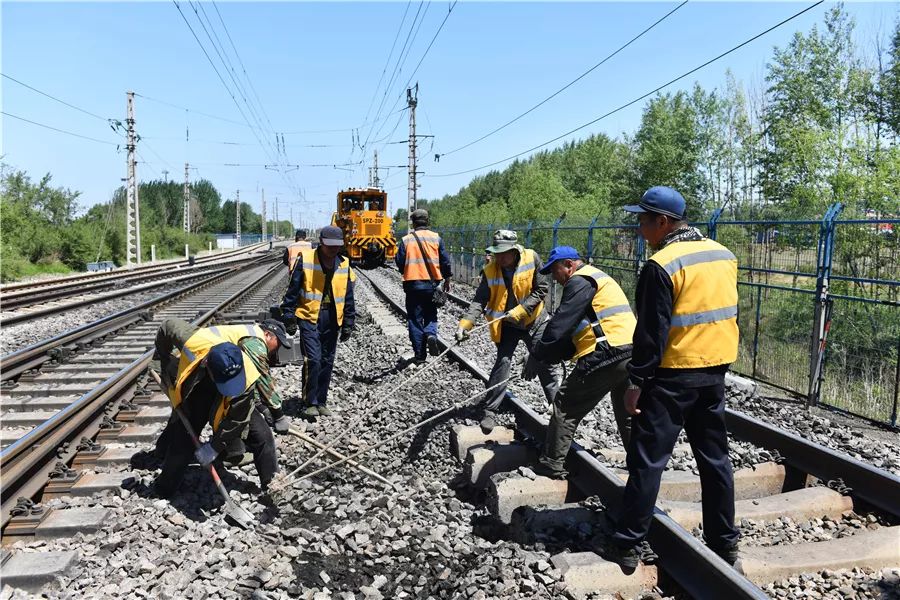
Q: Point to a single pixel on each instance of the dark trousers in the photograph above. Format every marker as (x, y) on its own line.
(666, 407)
(578, 396)
(318, 344)
(421, 319)
(179, 448)
(509, 339)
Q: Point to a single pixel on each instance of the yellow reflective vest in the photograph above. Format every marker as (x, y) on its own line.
(294, 251)
(309, 301)
(704, 329)
(613, 322)
(418, 267)
(195, 350)
(522, 282)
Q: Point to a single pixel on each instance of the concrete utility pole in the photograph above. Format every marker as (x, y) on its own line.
(275, 227)
(237, 220)
(411, 101)
(263, 214)
(132, 202)
(187, 201)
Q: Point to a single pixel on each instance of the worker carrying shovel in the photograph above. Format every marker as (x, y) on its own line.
(219, 378)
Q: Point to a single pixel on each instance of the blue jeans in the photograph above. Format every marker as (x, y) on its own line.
(318, 345)
(421, 319)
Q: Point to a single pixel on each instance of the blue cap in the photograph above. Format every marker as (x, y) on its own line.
(662, 200)
(226, 367)
(560, 253)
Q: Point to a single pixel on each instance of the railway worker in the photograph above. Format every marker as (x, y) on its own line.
(425, 265)
(686, 337)
(293, 250)
(221, 377)
(511, 295)
(592, 327)
(319, 303)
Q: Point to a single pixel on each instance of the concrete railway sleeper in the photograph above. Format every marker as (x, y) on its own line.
(765, 492)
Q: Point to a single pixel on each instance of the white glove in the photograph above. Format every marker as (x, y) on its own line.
(205, 454)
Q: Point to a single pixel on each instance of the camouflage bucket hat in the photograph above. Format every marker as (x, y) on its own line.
(504, 240)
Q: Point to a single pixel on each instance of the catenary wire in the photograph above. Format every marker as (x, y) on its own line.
(568, 85)
(78, 135)
(52, 97)
(636, 100)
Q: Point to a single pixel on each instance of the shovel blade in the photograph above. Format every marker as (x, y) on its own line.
(237, 515)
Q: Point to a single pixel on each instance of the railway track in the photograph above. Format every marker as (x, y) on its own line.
(79, 402)
(791, 489)
(26, 302)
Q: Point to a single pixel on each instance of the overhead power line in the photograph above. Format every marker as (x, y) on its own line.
(388, 60)
(570, 84)
(636, 100)
(78, 135)
(33, 89)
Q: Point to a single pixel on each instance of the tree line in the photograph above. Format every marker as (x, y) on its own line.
(43, 232)
(822, 128)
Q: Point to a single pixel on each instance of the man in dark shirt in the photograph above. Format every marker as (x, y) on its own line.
(685, 339)
(593, 327)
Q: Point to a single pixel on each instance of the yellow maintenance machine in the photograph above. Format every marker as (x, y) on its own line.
(368, 228)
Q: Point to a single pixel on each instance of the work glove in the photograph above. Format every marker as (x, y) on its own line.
(282, 424)
(447, 285)
(290, 323)
(205, 454)
(346, 332)
(462, 334)
(517, 314)
(530, 368)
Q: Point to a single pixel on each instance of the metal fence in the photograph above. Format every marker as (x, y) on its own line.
(819, 307)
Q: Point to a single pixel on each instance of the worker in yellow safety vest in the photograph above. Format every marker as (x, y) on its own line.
(511, 295)
(220, 376)
(686, 338)
(319, 304)
(289, 257)
(592, 327)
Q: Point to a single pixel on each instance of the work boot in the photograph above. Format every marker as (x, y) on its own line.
(311, 411)
(729, 554)
(239, 460)
(627, 557)
(431, 342)
(543, 470)
(488, 422)
(324, 411)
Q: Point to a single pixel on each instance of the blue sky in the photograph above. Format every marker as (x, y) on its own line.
(314, 67)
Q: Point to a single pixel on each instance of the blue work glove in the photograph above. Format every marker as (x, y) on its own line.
(205, 454)
(290, 323)
(346, 332)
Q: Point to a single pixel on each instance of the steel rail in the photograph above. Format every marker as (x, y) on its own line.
(874, 486)
(37, 314)
(10, 301)
(27, 461)
(82, 277)
(680, 552)
(11, 365)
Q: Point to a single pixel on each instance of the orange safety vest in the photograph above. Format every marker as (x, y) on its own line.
(294, 251)
(418, 267)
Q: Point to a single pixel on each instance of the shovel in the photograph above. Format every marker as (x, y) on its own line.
(238, 515)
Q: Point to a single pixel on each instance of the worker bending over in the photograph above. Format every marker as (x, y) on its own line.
(319, 303)
(511, 295)
(219, 377)
(592, 327)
